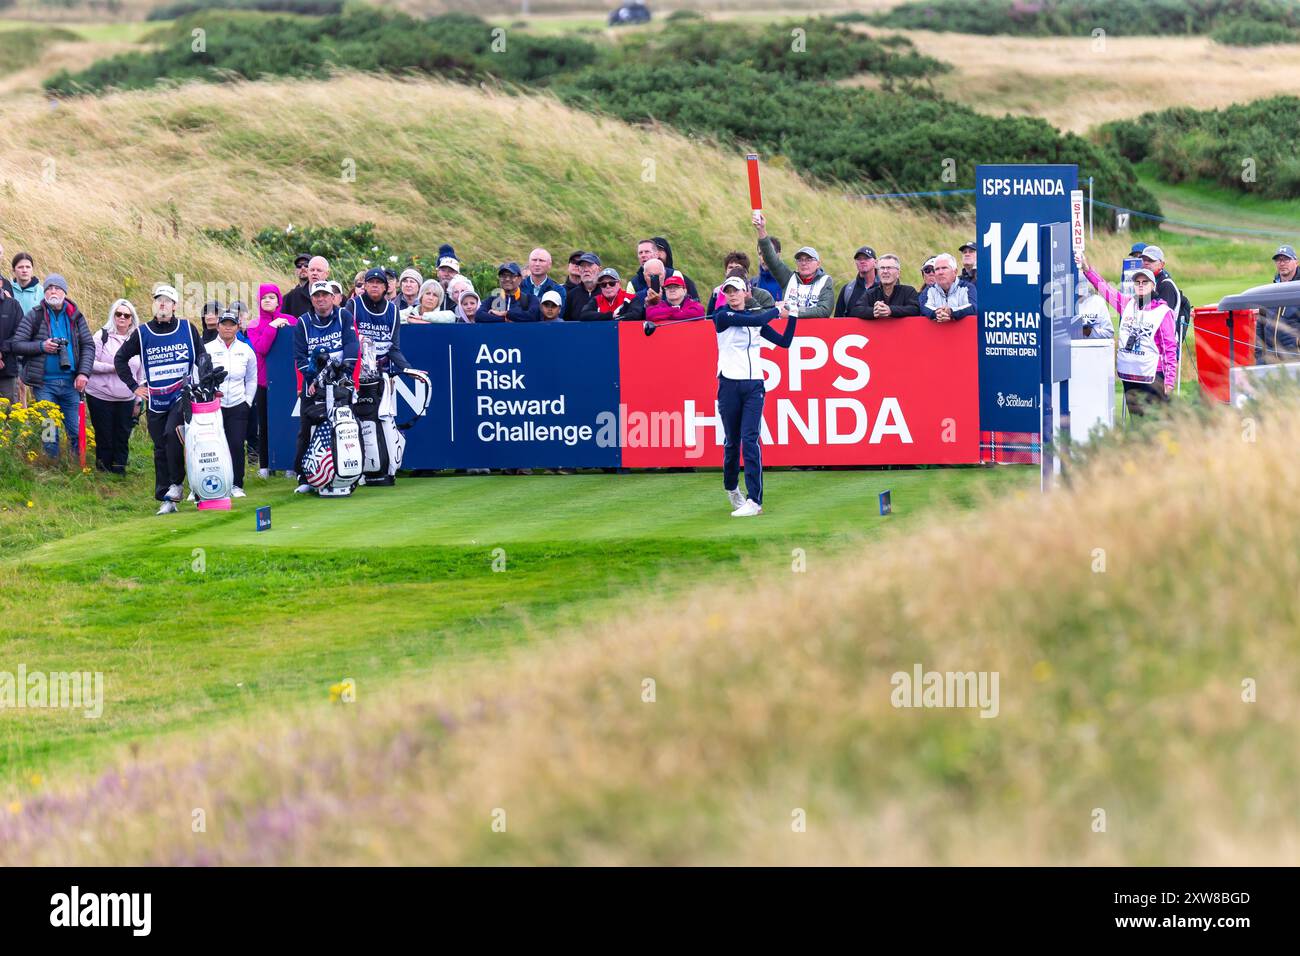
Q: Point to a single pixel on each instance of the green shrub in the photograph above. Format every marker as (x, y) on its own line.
(1212, 145)
(1253, 33)
(248, 47)
(827, 131)
(678, 15)
(823, 51)
(1082, 17)
(23, 47)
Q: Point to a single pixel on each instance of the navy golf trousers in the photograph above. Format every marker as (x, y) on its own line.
(740, 403)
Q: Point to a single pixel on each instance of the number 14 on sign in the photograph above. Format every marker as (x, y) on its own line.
(1021, 259)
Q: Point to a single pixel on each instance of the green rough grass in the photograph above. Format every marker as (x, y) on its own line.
(253, 631)
(22, 47)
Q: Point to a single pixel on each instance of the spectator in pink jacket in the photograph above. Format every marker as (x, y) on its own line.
(261, 333)
(1146, 348)
(110, 404)
(674, 304)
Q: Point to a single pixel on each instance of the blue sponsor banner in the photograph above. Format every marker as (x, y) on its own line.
(1011, 203)
(538, 395)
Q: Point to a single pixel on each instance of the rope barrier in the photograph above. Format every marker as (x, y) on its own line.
(1204, 226)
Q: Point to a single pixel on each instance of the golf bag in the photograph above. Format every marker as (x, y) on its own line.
(376, 411)
(333, 462)
(207, 456)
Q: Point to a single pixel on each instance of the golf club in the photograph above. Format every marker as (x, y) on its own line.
(650, 327)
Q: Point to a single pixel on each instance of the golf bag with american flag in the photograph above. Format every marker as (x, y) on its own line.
(333, 462)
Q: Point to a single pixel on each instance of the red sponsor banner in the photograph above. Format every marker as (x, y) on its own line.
(846, 392)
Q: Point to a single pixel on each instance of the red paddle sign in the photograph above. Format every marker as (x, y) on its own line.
(755, 188)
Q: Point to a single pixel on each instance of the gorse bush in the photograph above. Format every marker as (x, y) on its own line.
(811, 50)
(23, 47)
(240, 46)
(847, 134)
(1082, 17)
(182, 8)
(1253, 33)
(1186, 144)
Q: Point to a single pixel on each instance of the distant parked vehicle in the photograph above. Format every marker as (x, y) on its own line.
(634, 12)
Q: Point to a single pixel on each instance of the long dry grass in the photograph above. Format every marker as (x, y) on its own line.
(105, 188)
(1122, 620)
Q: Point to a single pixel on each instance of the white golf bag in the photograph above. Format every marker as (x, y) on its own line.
(376, 411)
(334, 460)
(207, 456)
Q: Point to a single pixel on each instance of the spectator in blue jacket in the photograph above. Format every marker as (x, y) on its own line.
(766, 280)
(537, 282)
(513, 305)
(950, 298)
(56, 373)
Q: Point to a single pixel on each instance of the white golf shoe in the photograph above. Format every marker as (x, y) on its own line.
(748, 510)
(173, 493)
(237, 492)
(167, 508)
(303, 489)
(737, 499)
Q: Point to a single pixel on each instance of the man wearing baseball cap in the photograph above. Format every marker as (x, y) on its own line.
(1153, 258)
(577, 296)
(326, 327)
(297, 300)
(1278, 339)
(575, 269)
(378, 319)
(969, 259)
(609, 300)
(168, 347)
(856, 291)
(741, 390)
(59, 351)
(809, 291)
(513, 304)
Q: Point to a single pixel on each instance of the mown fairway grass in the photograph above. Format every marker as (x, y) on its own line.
(197, 617)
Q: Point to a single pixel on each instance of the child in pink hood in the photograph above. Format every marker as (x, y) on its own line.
(261, 333)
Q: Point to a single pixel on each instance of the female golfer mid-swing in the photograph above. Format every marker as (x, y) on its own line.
(740, 390)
